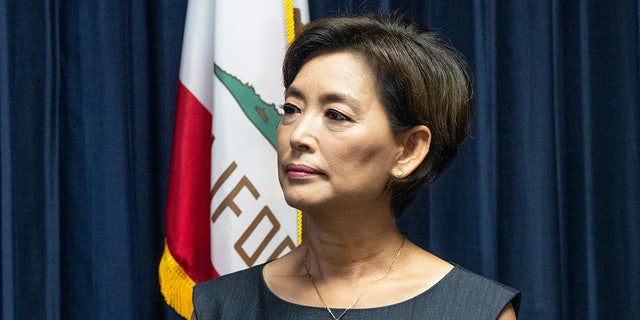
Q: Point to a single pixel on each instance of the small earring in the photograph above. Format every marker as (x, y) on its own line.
(399, 173)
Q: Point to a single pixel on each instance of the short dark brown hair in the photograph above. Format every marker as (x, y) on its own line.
(421, 80)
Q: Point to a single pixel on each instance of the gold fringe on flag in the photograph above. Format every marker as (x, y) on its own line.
(299, 227)
(175, 284)
(289, 20)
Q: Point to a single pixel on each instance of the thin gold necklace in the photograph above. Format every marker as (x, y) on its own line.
(361, 293)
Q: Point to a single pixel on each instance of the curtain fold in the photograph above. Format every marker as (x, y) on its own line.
(51, 164)
(544, 195)
(86, 104)
(29, 201)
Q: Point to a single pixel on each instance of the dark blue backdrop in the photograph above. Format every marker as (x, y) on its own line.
(545, 195)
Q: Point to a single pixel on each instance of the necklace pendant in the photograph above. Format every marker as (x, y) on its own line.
(333, 315)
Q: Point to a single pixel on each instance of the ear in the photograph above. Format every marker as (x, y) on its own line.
(413, 148)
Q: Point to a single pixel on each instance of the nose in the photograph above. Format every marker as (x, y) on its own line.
(303, 134)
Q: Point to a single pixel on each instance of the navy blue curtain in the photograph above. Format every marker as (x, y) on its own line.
(87, 95)
(544, 196)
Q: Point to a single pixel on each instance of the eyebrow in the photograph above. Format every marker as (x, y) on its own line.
(294, 92)
(331, 97)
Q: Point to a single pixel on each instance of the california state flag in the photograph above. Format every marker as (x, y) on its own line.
(225, 209)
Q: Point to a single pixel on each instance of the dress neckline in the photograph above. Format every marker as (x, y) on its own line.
(428, 291)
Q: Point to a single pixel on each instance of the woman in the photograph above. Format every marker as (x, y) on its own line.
(374, 109)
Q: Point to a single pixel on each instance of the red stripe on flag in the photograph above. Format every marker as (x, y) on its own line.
(187, 219)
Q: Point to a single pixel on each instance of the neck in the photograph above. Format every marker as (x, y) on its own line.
(350, 245)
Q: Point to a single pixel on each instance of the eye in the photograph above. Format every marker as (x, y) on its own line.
(337, 116)
(289, 108)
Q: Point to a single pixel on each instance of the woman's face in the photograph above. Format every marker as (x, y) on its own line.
(335, 146)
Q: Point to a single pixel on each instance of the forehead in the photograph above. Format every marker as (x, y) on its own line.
(341, 75)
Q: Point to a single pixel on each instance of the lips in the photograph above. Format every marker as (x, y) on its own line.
(300, 171)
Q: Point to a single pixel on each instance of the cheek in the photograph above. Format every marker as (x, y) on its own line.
(281, 140)
(282, 145)
(361, 155)
(360, 168)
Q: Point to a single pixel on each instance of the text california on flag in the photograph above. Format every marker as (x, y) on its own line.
(250, 221)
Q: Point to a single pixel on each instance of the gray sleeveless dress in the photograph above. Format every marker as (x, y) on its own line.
(460, 295)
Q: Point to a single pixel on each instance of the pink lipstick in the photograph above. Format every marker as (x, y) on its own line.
(300, 171)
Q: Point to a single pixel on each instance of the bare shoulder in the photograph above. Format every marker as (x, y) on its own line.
(285, 266)
(426, 267)
(417, 271)
(508, 313)
(284, 277)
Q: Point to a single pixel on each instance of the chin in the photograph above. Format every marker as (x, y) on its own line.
(296, 202)
(301, 201)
